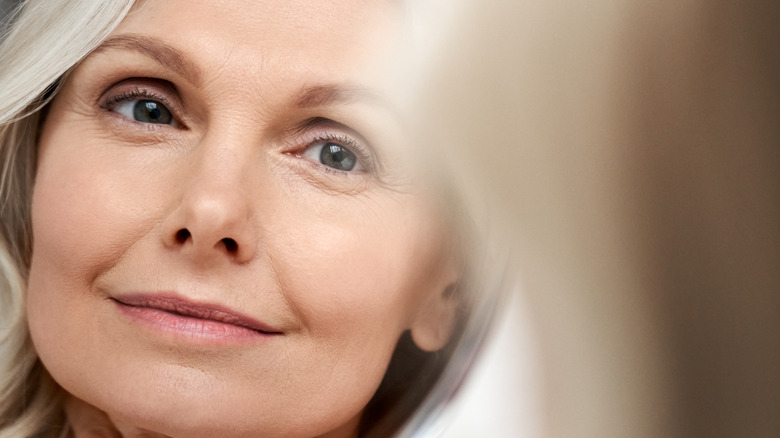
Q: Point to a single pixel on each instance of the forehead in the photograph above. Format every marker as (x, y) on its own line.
(318, 36)
(302, 17)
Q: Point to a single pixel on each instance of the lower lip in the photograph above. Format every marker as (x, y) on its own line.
(190, 328)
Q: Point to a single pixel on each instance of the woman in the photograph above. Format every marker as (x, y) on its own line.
(227, 234)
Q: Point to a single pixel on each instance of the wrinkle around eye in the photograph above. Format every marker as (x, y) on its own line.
(300, 175)
(116, 129)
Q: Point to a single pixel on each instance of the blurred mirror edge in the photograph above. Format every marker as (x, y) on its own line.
(628, 154)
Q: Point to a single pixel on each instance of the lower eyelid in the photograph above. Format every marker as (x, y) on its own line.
(333, 181)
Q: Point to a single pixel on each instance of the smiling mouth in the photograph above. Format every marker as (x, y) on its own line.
(197, 320)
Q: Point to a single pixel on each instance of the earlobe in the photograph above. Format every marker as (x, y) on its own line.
(435, 321)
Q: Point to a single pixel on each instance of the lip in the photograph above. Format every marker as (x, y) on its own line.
(172, 314)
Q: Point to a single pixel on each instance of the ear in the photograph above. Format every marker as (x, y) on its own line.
(435, 321)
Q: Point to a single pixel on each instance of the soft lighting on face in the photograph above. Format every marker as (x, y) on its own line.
(229, 231)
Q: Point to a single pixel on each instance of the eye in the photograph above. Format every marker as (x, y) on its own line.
(145, 111)
(333, 155)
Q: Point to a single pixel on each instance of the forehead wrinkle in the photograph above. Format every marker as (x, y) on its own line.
(159, 51)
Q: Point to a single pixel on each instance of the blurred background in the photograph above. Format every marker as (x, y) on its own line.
(631, 150)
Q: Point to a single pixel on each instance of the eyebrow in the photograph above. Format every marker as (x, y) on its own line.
(334, 94)
(159, 51)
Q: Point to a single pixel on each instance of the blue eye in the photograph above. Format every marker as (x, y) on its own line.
(145, 111)
(333, 155)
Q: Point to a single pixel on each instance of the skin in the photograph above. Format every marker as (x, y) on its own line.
(338, 263)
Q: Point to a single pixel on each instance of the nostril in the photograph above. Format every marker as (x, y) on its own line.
(230, 245)
(182, 235)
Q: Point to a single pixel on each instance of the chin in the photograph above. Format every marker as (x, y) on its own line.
(206, 409)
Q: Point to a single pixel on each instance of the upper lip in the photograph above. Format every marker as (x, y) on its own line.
(185, 307)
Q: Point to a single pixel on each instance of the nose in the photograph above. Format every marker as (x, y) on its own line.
(212, 218)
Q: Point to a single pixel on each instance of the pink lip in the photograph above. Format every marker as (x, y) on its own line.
(174, 314)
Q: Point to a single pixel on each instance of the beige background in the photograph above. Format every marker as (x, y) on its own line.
(632, 150)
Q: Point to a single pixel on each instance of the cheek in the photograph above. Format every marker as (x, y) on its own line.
(65, 251)
(365, 265)
(87, 209)
(72, 232)
(354, 275)
(84, 218)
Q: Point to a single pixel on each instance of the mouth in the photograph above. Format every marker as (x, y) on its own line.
(173, 314)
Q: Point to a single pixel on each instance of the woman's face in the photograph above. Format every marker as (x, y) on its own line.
(228, 235)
